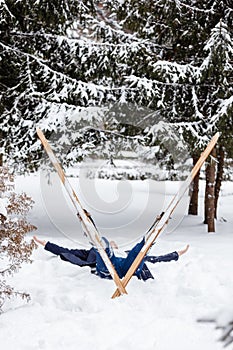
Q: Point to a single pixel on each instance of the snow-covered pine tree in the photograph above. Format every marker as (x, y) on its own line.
(50, 62)
(48, 72)
(216, 70)
(189, 99)
(163, 75)
(126, 33)
(213, 103)
(57, 60)
(14, 249)
(67, 58)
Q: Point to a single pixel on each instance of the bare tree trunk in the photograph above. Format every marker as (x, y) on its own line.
(219, 176)
(1, 155)
(193, 205)
(206, 193)
(112, 162)
(209, 193)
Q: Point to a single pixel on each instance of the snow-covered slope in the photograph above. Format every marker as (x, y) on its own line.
(71, 309)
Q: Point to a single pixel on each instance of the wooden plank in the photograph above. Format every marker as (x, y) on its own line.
(87, 224)
(156, 230)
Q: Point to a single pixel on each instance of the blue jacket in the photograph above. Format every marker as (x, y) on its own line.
(122, 265)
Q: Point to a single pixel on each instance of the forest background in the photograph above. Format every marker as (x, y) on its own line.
(104, 77)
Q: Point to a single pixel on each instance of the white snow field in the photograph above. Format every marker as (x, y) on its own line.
(72, 309)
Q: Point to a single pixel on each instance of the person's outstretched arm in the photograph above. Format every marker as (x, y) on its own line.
(37, 240)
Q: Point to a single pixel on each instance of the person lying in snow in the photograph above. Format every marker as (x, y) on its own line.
(92, 258)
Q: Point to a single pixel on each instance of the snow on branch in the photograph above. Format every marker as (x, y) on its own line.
(175, 73)
(4, 7)
(181, 4)
(223, 320)
(196, 130)
(198, 114)
(148, 83)
(59, 85)
(159, 128)
(219, 32)
(219, 46)
(223, 109)
(87, 42)
(81, 85)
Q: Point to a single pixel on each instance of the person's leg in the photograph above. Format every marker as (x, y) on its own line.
(162, 258)
(167, 257)
(183, 251)
(39, 241)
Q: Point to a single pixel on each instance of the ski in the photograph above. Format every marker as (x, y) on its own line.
(88, 226)
(159, 225)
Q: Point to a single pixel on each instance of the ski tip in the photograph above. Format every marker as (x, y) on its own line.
(215, 138)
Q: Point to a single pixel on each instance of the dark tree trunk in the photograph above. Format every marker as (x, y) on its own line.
(193, 205)
(111, 162)
(1, 155)
(219, 176)
(209, 193)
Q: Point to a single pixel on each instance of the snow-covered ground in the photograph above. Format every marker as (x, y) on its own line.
(72, 309)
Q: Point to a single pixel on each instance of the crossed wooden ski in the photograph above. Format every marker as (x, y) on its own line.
(87, 224)
(160, 224)
(152, 234)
